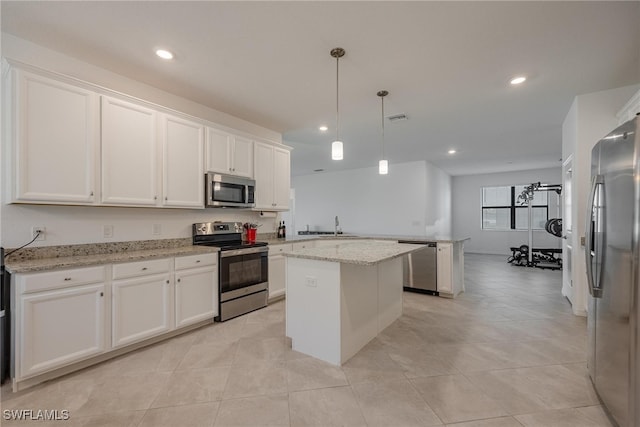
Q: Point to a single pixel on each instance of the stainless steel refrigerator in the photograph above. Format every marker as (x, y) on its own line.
(612, 251)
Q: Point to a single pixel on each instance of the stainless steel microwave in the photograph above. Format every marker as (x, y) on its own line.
(226, 191)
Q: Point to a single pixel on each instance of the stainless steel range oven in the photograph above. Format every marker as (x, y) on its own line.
(243, 268)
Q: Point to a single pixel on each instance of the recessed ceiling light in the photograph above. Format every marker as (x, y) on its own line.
(323, 128)
(518, 80)
(164, 54)
(451, 151)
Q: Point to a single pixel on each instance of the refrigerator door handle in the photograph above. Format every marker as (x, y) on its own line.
(591, 227)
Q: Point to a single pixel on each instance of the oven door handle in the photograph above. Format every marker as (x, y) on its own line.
(246, 251)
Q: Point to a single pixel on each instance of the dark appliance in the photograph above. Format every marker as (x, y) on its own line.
(5, 331)
(243, 268)
(226, 191)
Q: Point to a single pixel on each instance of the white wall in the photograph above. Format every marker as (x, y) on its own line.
(590, 118)
(413, 199)
(76, 224)
(467, 212)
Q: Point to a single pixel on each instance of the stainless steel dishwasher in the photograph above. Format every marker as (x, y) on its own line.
(420, 268)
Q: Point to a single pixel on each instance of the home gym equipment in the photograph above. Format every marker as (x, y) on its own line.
(527, 255)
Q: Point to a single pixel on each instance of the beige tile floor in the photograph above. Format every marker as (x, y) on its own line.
(508, 352)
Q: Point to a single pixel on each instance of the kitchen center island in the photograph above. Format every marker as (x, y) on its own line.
(340, 297)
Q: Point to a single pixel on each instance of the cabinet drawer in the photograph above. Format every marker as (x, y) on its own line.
(303, 245)
(278, 249)
(141, 268)
(37, 282)
(196, 261)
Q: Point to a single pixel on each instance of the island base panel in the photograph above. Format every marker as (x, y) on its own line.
(335, 309)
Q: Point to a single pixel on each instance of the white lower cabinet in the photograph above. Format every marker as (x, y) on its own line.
(450, 268)
(66, 316)
(196, 293)
(278, 269)
(141, 308)
(62, 324)
(278, 266)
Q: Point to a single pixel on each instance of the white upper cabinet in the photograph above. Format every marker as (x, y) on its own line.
(129, 154)
(75, 143)
(273, 176)
(55, 137)
(281, 178)
(183, 162)
(228, 153)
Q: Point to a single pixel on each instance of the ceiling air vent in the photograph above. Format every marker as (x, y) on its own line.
(397, 117)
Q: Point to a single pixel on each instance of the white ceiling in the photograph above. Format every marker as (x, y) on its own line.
(445, 64)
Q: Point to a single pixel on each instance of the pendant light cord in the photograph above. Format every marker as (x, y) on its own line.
(382, 97)
(337, 99)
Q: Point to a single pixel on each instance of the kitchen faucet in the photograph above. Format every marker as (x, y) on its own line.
(335, 230)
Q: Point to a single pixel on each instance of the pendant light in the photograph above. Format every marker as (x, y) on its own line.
(383, 165)
(336, 146)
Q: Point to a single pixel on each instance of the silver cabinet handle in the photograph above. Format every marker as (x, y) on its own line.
(167, 282)
(197, 261)
(166, 198)
(144, 268)
(179, 280)
(91, 193)
(101, 294)
(66, 279)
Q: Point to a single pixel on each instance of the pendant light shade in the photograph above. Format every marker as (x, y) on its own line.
(383, 165)
(337, 152)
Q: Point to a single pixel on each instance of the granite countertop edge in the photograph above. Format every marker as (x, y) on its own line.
(56, 263)
(310, 238)
(356, 253)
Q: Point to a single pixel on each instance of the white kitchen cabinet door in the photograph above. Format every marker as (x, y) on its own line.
(229, 154)
(196, 295)
(281, 178)
(218, 151)
(183, 162)
(141, 308)
(444, 268)
(57, 328)
(277, 275)
(242, 157)
(129, 154)
(273, 176)
(264, 176)
(56, 135)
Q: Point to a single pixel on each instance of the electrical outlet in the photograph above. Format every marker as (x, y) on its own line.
(156, 229)
(38, 229)
(312, 282)
(107, 231)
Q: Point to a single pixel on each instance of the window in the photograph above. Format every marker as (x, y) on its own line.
(501, 209)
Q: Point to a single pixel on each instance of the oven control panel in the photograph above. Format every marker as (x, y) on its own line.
(209, 228)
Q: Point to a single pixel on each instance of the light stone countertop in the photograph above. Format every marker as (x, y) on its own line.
(55, 263)
(272, 240)
(362, 253)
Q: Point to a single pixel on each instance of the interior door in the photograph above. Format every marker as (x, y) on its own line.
(567, 225)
